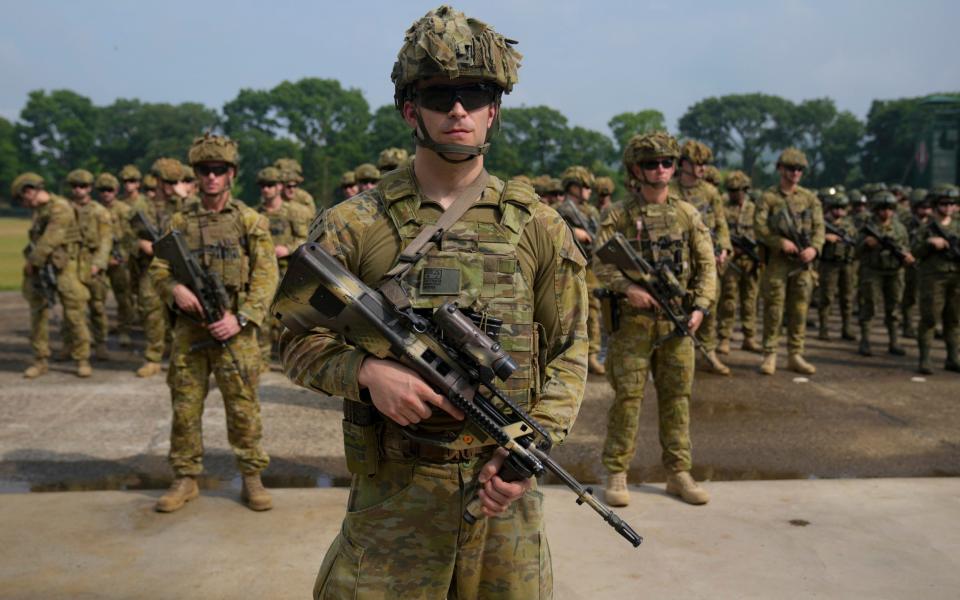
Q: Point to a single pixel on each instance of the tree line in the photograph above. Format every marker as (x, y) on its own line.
(331, 129)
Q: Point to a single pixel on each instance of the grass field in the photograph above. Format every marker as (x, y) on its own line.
(13, 237)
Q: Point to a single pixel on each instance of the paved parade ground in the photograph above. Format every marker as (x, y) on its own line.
(807, 524)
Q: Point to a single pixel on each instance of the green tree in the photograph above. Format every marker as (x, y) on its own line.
(387, 130)
(830, 139)
(9, 160)
(57, 133)
(628, 124)
(538, 134)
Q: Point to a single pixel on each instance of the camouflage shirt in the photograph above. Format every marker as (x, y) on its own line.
(708, 200)
(120, 213)
(53, 231)
(96, 229)
(878, 257)
(804, 208)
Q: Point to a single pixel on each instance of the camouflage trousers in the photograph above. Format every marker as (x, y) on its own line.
(73, 296)
(155, 318)
(940, 301)
(873, 285)
(594, 316)
(630, 358)
(911, 289)
(119, 276)
(836, 281)
(785, 287)
(738, 290)
(404, 537)
(97, 288)
(189, 381)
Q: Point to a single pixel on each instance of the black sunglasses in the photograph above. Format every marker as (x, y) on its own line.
(442, 98)
(218, 170)
(131, 180)
(799, 168)
(946, 202)
(264, 184)
(79, 185)
(651, 165)
(105, 189)
(366, 181)
(743, 189)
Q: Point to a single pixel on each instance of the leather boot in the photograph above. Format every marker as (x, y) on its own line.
(595, 366)
(724, 346)
(796, 364)
(769, 364)
(182, 490)
(616, 492)
(149, 369)
(84, 369)
(894, 348)
(751, 345)
(715, 366)
(38, 368)
(683, 486)
(864, 349)
(923, 344)
(254, 495)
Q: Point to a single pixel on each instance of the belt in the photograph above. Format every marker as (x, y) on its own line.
(394, 445)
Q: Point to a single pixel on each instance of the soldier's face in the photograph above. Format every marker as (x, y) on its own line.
(349, 191)
(131, 187)
(215, 177)
(289, 189)
(28, 196)
(269, 191)
(656, 172)
(80, 191)
(456, 125)
(790, 174)
(107, 195)
(947, 208)
(838, 211)
(885, 214)
(696, 170)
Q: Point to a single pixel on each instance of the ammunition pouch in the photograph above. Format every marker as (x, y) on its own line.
(609, 309)
(362, 426)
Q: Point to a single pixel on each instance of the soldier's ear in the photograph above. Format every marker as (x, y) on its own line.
(409, 113)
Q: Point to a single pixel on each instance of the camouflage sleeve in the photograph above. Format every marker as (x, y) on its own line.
(761, 224)
(723, 229)
(703, 284)
(264, 273)
(160, 273)
(299, 226)
(819, 230)
(560, 292)
(921, 248)
(608, 275)
(105, 232)
(320, 359)
(61, 218)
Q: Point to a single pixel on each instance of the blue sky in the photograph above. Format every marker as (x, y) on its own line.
(590, 60)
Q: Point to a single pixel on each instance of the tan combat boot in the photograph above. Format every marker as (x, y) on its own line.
(38, 368)
(254, 494)
(101, 352)
(724, 346)
(796, 364)
(751, 345)
(596, 367)
(616, 492)
(683, 486)
(715, 366)
(149, 369)
(84, 369)
(769, 364)
(182, 490)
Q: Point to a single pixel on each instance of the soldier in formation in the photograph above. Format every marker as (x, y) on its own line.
(118, 268)
(740, 279)
(291, 176)
(836, 268)
(390, 159)
(367, 176)
(914, 221)
(605, 188)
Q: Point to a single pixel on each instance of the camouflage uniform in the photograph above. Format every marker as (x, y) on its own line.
(836, 274)
(292, 172)
(914, 224)
(739, 286)
(235, 244)
(119, 274)
(939, 285)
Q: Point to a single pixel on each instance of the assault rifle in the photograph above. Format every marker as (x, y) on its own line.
(45, 282)
(954, 250)
(145, 229)
(886, 242)
(748, 248)
(458, 359)
(115, 253)
(571, 213)
(844, 237)
(205, 285)
(659, 281)
(787, 227)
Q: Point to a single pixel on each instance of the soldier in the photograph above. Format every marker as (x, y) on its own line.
(712, 176)
(666, 231)
(118, 270)
(576, 209)
(605, 188)
(288, 222)
(939, 278)
(836, 267)
(881, 271)
(417, 544)
(367, 176)
(390, 159)
(233, 242)
(787, 280)
(691, 187)
(149, 186)
(54, 242)
(157, 212)
(348, 185)
(96, 233)
(132, 179)
(740, 281)
(190, 178)
(291, 176)
(919, 215)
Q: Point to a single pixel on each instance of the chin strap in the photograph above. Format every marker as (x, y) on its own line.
(442, 149)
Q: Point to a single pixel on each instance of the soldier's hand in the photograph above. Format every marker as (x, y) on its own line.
(496, 495)
(908, 260)
(399, 393)
(583, 236)
(788, 247)
(94, 269)
(281, 251)
(696, 318)
(640, 298)
(939, 243)
(722, 258)
(808, 255)
(225, 328)
(870, 242)
(186, 300)
(113, 262)
(831, 237)
(146, 246)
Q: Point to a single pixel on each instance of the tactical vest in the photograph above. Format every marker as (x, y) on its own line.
(838, 251)
(69, 248)
(880, 258)
(218, 240)
(693, 195)
(476, 265)
(740, 219)
(281, 228)
(89, 225)
(656, 232)
(803, 218)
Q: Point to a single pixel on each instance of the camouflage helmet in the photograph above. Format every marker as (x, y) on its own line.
(857, 197)
(522, 179)
(897, 189)
(555, 186)
(576, 175)
(696, 152)
(792, 157)
(23, 181)
(391, 158)
(872, 188)
(944, 190)
(348, 178)
(107, 181)
(188, 173)
(737, 180)
(80, 177)
(883, 199)
(213, 148)
(653, 144)
(149, 181)
(269, 175)
(837, 200)
(712, 174)
(446, 43)
(919, 197)
(604, 185)
(167, 169)
(367, 172)
(130, 172)
(292, 166)
(541, 184)
(288, 176)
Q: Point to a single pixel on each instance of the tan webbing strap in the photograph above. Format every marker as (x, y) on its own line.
(427, 239)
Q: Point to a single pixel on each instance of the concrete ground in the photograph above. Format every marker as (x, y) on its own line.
(872, 538)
